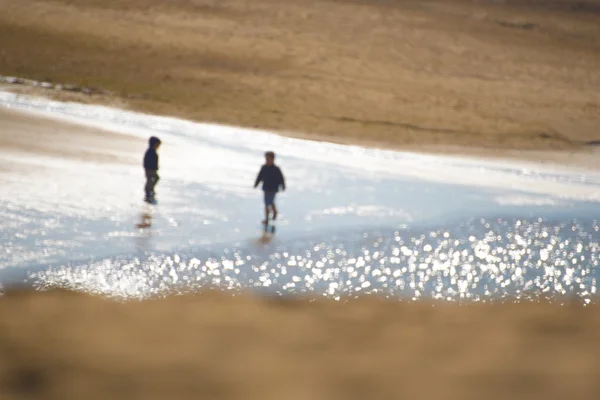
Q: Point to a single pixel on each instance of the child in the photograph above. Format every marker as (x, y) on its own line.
(272, 178)
(151, 166)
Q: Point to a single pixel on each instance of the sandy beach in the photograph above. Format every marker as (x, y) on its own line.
(414, 75)
(514, 80)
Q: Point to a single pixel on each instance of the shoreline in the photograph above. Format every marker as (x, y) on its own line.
(582, 158)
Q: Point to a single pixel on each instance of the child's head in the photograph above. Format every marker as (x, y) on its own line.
(270, 157)
(154, 142)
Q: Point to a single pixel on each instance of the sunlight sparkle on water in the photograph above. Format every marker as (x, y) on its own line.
(483, 260)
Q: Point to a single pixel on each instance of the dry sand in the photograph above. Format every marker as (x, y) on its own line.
(58, 345)
(413, 74)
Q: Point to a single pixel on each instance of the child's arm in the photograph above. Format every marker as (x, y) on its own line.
(282, 180)
(259, 177)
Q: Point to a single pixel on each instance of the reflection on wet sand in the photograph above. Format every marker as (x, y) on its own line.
(265, 238)
(268, 232)
(145, 220)
(143, 241)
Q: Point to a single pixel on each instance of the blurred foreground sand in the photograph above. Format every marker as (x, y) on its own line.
(61, 345)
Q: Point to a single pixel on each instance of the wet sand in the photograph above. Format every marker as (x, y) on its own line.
(25, 134)
(58, 345)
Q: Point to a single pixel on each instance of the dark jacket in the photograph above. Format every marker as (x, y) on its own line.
(151, 157)
(271, 177)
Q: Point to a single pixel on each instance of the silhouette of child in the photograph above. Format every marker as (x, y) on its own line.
(151, 168)
(272, 178)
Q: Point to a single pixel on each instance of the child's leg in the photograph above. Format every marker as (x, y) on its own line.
(274, 207)
(151, 181)
(154, 182)
(266, 201)
(148, 186)
(269, 197)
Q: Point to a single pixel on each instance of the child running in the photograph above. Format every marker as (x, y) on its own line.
(272, 178)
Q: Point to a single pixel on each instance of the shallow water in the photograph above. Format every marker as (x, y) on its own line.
(353, 220)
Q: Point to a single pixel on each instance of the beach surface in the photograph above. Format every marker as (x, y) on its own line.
(419, 75)
(391, 275)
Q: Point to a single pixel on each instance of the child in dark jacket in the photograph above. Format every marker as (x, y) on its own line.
(151, 168)
(272, 178)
